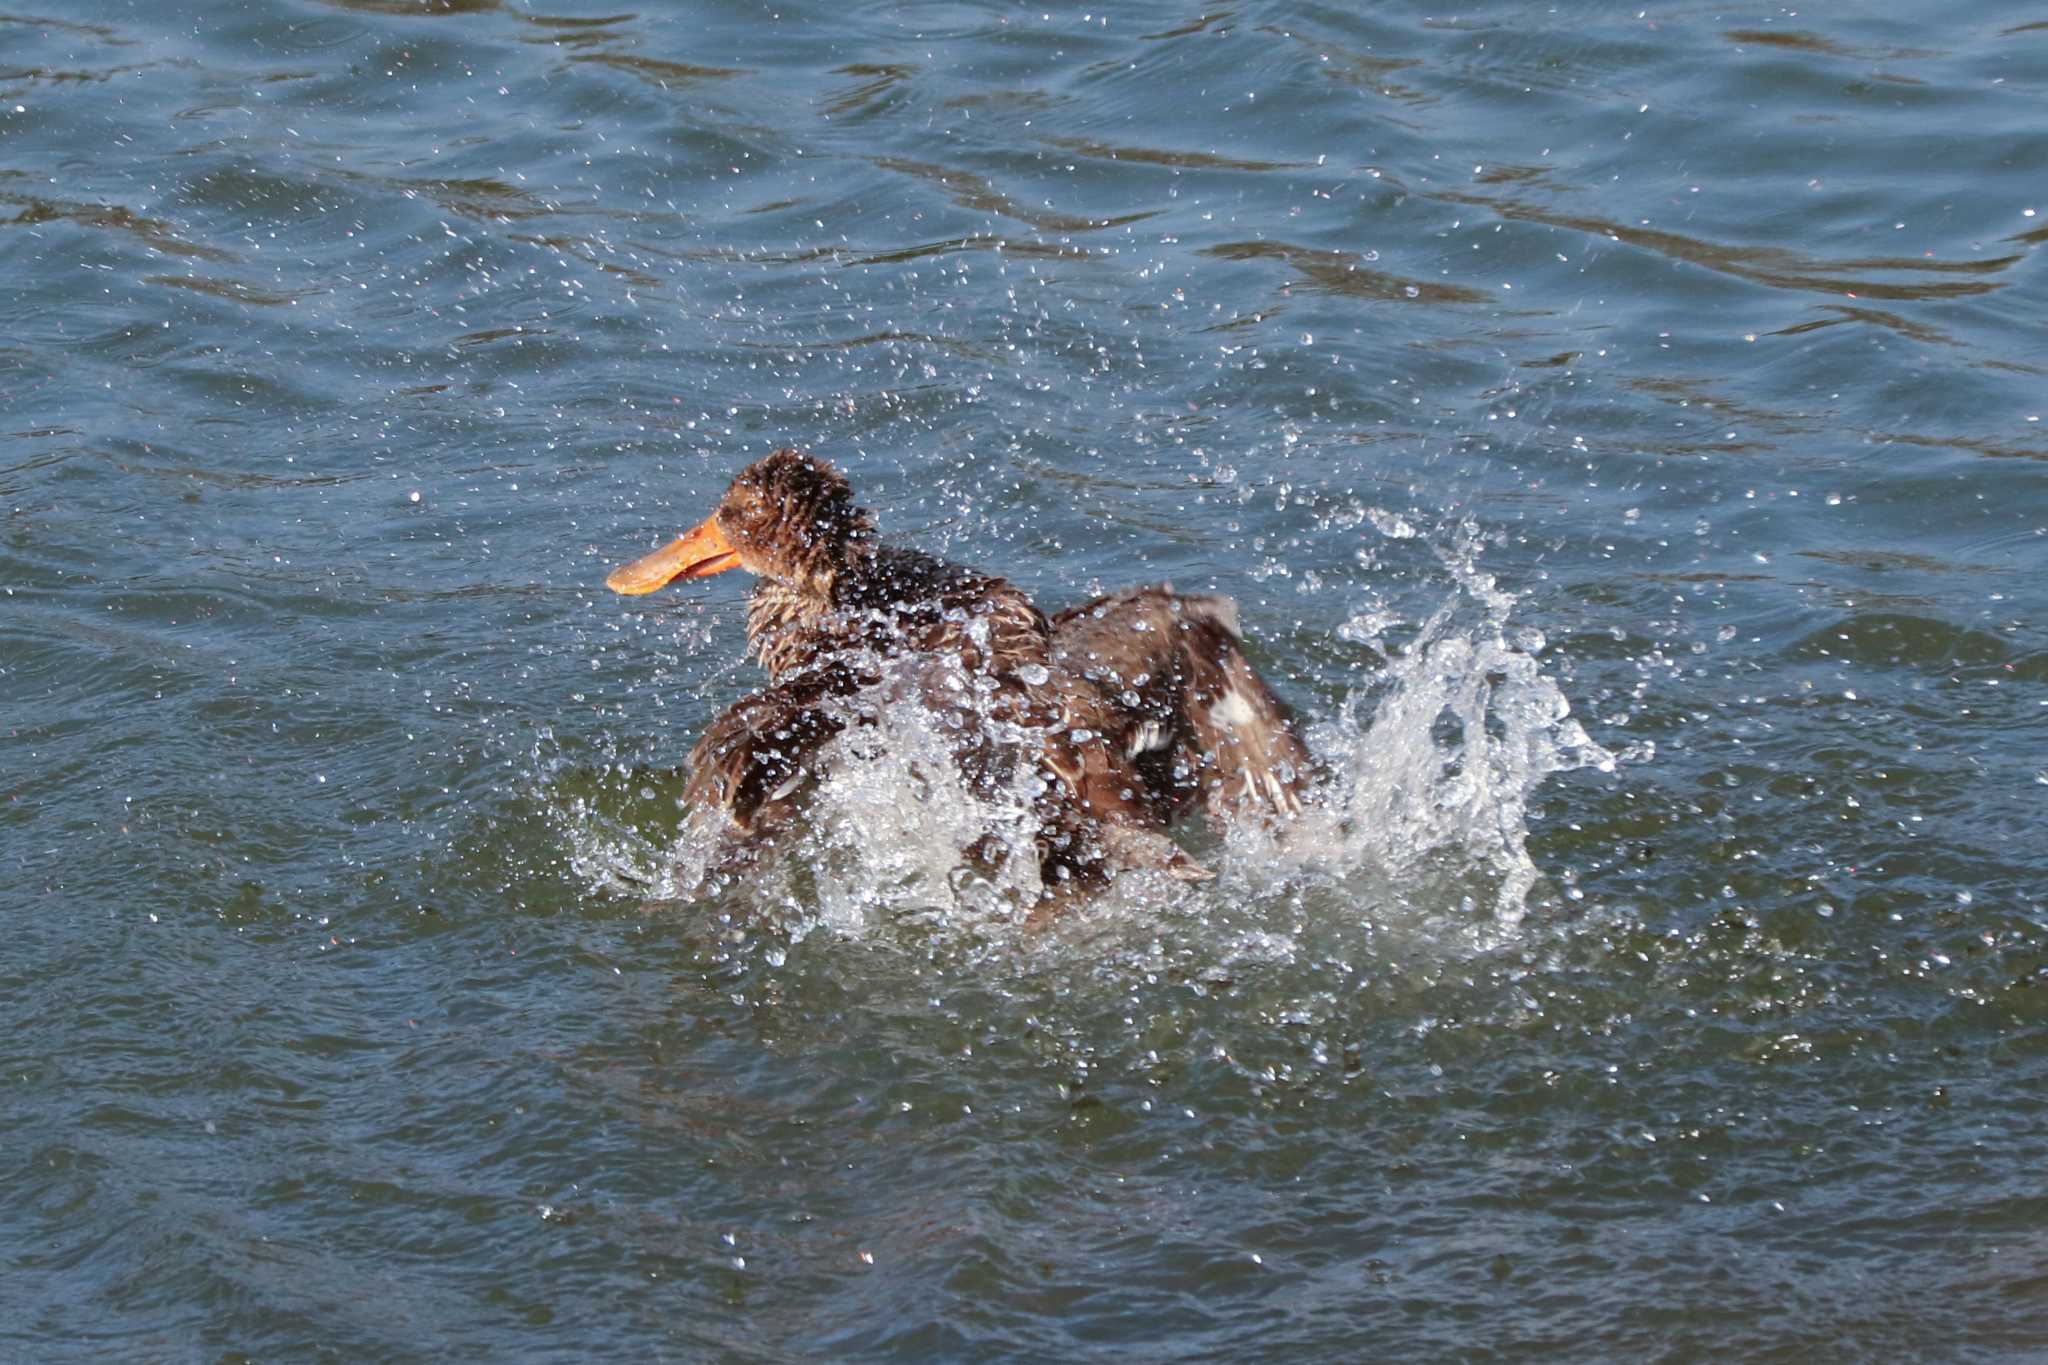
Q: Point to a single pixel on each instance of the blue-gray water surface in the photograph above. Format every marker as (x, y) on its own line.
(1622, 428)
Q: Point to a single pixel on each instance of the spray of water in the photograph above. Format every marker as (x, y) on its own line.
(1431, 767)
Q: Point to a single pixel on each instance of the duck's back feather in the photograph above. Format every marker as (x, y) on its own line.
(896, 601)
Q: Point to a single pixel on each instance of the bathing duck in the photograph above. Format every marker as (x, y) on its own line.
(1128, 711)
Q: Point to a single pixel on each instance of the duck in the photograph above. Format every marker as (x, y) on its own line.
(1123, 714)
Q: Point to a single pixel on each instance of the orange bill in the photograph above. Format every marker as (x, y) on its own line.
(701, 553)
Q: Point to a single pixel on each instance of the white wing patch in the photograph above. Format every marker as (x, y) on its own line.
(1234, 709)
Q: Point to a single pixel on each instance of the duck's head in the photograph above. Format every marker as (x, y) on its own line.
(788, 517)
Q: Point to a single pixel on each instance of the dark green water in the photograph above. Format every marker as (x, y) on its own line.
(1684, 365)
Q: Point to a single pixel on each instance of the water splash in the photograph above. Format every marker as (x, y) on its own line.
(881, 842)
(889, 821)
(1432, 766)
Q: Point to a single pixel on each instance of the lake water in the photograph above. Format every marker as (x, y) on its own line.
(1623, 429)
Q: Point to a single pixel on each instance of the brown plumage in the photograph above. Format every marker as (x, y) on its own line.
(1132, 709)
(1197, 720)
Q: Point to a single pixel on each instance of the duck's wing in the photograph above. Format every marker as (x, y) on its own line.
(755, 760)
(1098, 814)
(1186, 706)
